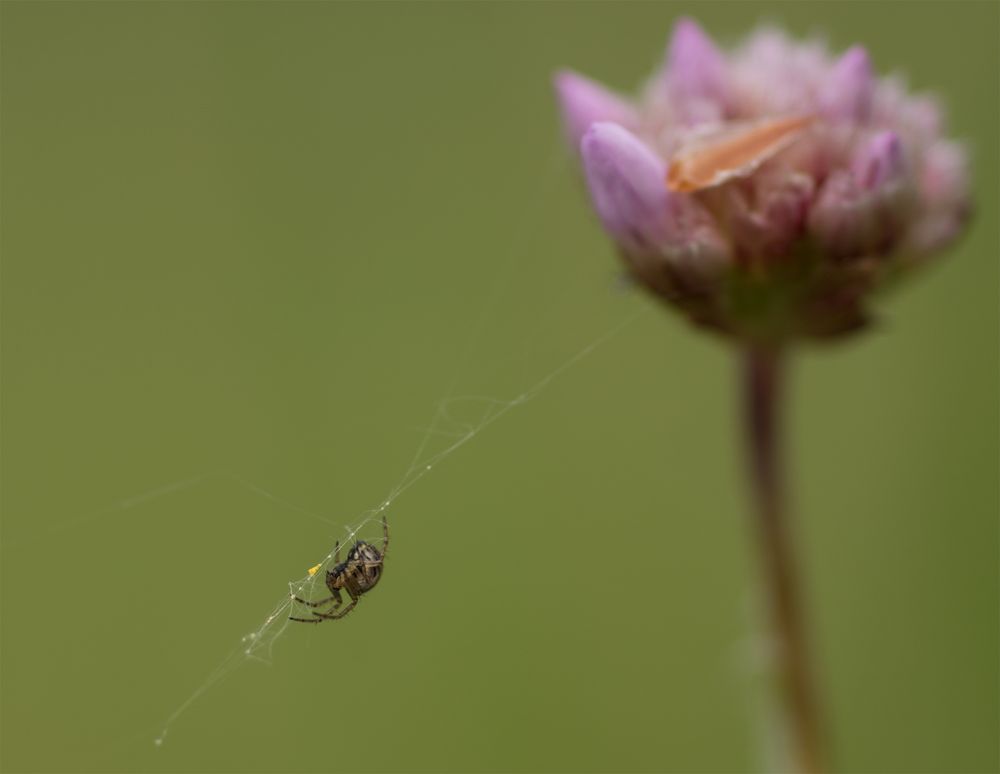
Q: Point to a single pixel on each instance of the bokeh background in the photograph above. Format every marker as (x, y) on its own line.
(264, 240)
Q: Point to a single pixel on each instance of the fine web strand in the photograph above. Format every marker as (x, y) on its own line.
(258, 645)
(174, 487)
(456, 420)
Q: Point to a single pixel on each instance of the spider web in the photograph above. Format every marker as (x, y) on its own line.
(258, 645)
(456, 420)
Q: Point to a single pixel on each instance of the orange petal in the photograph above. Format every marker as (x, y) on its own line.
(736, 153)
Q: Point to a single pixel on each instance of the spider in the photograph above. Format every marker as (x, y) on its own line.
(359, 574)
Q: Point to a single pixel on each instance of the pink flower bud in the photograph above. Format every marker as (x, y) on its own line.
(799, 181)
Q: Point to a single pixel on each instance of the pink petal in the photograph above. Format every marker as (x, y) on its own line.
(944, 193)
(696, 73)
(585, 102)
(849, 89)
(861, 211)
(924, 116)
(627, 183)
(839, 220)
(880, 162)
(945, 176)
(781, 204)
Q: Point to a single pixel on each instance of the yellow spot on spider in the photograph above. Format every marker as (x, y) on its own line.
(313, 570)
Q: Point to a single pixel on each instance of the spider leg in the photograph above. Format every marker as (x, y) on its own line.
(336, 553)
(385, 537)
(320, 603)
(333, 616)
(321, 617)
(339, 600)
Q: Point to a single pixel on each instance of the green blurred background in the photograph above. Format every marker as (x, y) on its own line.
(265, 239)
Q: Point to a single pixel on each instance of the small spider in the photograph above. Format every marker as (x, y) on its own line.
(359, 574)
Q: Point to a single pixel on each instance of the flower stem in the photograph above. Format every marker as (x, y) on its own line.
(762, 384)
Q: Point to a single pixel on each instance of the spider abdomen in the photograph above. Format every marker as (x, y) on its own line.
(360, 572)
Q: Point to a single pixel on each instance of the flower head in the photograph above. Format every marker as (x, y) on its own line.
(767, 191)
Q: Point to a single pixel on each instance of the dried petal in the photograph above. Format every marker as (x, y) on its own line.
(733, 154)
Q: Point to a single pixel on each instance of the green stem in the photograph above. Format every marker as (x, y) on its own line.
(762, 379)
